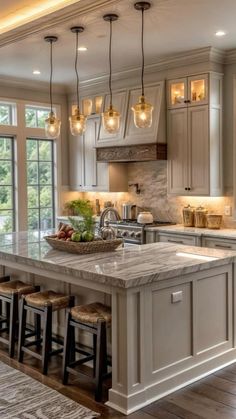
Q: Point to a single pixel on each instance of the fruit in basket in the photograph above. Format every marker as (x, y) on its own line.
(87, 236)
(70, 232)
(76, 236)
(61, 235)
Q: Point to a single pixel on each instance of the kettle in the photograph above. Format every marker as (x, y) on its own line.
(129, 211)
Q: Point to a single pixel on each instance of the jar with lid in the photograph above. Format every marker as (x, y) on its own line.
(200, 217)
(188, 216)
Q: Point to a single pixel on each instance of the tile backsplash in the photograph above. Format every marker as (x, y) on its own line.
(152, 179)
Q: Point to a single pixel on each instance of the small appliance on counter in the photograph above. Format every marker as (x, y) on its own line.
(200, 217)
(129, 211)
(214, 221)
(145, 217)
(188, 216)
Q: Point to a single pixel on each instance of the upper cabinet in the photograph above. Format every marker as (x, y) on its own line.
(188, 91)
(128, 133)
(195, 136)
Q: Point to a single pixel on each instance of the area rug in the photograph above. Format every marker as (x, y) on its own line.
(22, 397)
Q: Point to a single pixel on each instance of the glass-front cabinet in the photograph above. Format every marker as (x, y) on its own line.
(188, 91)
(92, 105)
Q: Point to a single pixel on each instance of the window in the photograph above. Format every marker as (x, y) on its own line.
(35, 117)
(7, 185)
(40, 184)
(7, 112)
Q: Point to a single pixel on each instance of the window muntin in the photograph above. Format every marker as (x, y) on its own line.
(7, 185)
(40, 184)
(7, 113)
(35, 116)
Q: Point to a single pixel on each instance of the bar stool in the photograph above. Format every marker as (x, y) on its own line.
(44, 304)
(10, 292)
(93, 318)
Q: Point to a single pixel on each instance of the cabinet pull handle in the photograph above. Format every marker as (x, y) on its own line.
(93, 186)
(175, 241)
(224, 246)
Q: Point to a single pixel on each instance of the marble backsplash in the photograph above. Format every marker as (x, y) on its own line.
(152, 178)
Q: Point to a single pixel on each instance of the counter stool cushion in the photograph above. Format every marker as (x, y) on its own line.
(48, 298)
(15, 287)
(91, 313)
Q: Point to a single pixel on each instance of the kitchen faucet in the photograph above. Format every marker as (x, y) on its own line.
(105, 212)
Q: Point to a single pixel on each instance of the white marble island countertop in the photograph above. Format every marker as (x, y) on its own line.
(226, 233)
(125, 268)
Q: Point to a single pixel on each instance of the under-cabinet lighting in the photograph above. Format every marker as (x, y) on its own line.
(194, 256)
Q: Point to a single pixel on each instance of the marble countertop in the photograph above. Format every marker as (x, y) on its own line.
(128, 267)
(226, 233)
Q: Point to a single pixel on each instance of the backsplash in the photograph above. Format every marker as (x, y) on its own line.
(152, 179)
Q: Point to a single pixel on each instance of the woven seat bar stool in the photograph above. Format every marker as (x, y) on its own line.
(44, 304)
(93, 318)
(10, 292)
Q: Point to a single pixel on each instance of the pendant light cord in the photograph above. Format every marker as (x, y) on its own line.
(142, 46)
(76, 67)
(51, 73)
(110, 62)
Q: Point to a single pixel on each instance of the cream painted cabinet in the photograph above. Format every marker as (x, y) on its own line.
(86, 174)
(195, 143)
(188, 91)
(169, 237)
(218, 243)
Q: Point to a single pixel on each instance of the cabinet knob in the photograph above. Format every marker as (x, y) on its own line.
(186, 189)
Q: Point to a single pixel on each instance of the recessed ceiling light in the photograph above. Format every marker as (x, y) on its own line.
(36, 72)
(82, 49)
(220, 33)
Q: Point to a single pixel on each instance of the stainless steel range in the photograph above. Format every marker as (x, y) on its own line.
(133, 232)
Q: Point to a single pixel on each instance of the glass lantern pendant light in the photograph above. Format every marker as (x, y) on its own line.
(142, 110)
(52, 123)
(78, 120)
(111, 117)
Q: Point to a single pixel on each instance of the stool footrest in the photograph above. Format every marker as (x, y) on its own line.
(32, 353)
(81, 361)
(31, 343)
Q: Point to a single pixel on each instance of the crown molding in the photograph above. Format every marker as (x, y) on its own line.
(31, 85)
(53, 19)
(230, 56)
(186, 58)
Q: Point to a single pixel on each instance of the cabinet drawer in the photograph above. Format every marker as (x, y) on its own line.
(177, 238)
(219, 243)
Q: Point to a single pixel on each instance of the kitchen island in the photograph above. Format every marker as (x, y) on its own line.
(173, 317)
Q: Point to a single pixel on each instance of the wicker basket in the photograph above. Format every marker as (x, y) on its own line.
(95, 246)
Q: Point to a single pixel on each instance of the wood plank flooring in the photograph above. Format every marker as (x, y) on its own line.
(213, 397)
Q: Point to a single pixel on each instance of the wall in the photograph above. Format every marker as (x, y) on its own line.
(152, 177)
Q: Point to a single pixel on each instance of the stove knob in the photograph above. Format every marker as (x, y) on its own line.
(138, 235)
(132, 234)
(118, 233)
(124, 233)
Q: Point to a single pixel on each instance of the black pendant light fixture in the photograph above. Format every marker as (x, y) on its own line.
(142, 110)
(77, 120)
(111, 117)
(52, 123)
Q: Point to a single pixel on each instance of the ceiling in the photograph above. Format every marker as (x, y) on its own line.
(171, 26)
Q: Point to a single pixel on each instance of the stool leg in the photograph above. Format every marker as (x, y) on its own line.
(37, 325)
(100, 359)
(95, 353)
(67, 349)
(13, 322)
(47, 339)
(8, 314)
(22, 326)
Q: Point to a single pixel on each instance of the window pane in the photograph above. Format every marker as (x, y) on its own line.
(45, 150)
(33, 219)
(30, 117)
(45, 173)
(32, 150)
(5, 115)
(42, 115)
(33, 201)
(46, 218)
(32, 172)
(5, 197)
(5, 148)
(5, 172)
(45, 196)
(6, 221)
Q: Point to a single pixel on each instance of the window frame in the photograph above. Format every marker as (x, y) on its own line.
(13, 185)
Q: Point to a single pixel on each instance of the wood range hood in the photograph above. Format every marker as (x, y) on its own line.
(132, 153)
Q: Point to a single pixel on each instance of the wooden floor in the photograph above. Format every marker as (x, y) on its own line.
(213, 397)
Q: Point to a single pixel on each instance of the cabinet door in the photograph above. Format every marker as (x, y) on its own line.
(177, 152)
(219, 243)
(177, 93)
(120, 104)
(198, 158)
(177, 239)
(134, 135)
(76, 163)
(198, 90)
(90, 164)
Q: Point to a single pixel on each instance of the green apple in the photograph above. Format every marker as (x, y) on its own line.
(87, 236)
(76, 236)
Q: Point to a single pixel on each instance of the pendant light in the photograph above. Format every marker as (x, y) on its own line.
(78, 120)
(111, 117)
(52, 123)
(142, 110)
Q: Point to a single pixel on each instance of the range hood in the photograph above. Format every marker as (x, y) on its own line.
(132, 153)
